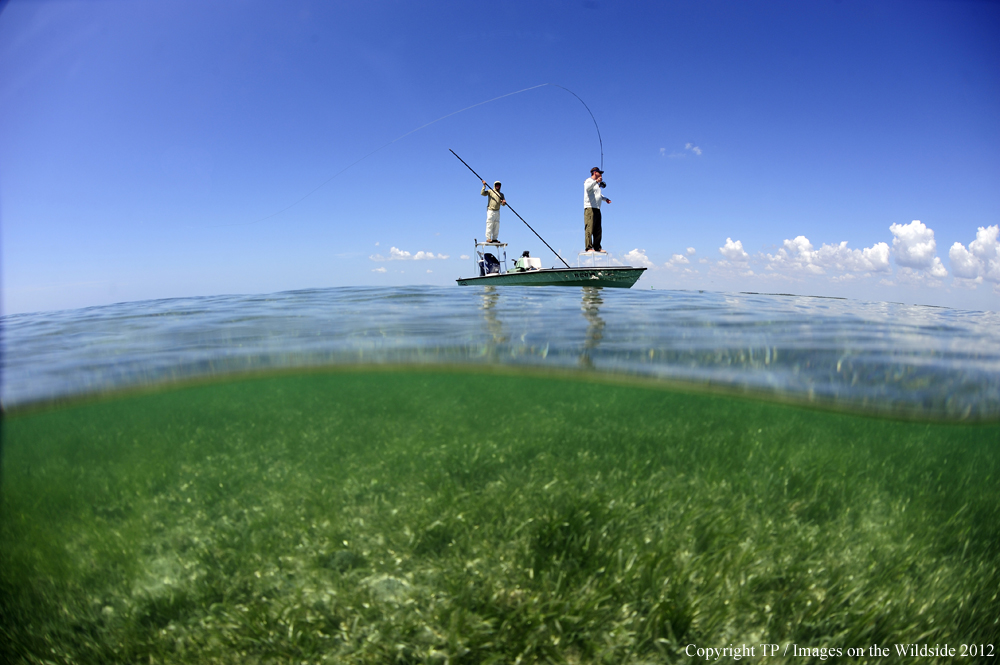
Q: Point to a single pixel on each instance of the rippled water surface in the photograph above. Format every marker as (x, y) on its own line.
(880, 357)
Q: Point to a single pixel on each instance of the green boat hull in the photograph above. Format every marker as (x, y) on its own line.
(621, 277)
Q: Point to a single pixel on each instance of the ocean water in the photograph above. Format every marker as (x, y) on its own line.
(927, 362)
(509, 475)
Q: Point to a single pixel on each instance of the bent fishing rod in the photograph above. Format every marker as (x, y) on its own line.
(513, 211)
(424, 126)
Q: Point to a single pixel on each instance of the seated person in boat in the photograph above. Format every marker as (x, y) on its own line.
(527, 262)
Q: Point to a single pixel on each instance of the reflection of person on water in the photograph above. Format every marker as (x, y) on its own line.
(493, 325)
(590, 306)
(592, 199)
(493, 210)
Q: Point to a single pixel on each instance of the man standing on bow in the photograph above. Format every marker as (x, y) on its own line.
(493, 210)
(592, 199)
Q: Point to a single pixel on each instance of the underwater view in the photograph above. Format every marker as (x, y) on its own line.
(527, 475)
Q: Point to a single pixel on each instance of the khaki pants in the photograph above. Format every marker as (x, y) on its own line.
(592, 228)
(492, 225)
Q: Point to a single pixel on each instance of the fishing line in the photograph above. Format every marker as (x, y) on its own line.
(413, 131)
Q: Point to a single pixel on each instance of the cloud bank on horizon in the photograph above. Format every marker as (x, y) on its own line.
(396, 254)
(913, 251)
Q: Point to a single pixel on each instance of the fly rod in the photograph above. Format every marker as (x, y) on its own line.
(513, 211)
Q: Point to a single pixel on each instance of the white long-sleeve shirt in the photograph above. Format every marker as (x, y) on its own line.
(592, 194)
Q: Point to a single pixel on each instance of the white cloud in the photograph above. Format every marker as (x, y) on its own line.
(379, 269)
(396, 254)
(987, 247)
(798, 255)
(795, 255)
(915, 246)
(430, 271)
(690, 251)
(688, 147)
(678, 261)
(964, 263)
(637, 257)
(878, 256)
(465, 257)
(376, 244)
(981, 260)
(733, 251)
(922, 278)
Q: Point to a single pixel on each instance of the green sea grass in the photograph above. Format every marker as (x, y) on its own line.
(436, 517)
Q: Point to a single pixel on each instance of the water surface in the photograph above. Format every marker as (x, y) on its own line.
(881, 357)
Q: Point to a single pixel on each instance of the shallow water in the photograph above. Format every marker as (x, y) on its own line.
(878, 357)
(478, 475)
(419, 516)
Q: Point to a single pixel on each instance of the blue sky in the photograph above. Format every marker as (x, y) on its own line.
(765, 146)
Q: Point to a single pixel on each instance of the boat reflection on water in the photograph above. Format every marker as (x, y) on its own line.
(590, 306)
(499, 340)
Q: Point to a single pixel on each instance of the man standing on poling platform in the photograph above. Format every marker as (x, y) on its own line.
(592, 199)
(493, 210)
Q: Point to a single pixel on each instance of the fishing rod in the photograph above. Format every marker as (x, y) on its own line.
(599, 139)
(512, 210)
(412, 131)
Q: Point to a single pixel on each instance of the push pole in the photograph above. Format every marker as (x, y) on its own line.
(513, 211)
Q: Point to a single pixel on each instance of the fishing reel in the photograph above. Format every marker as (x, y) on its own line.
(603, 184)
